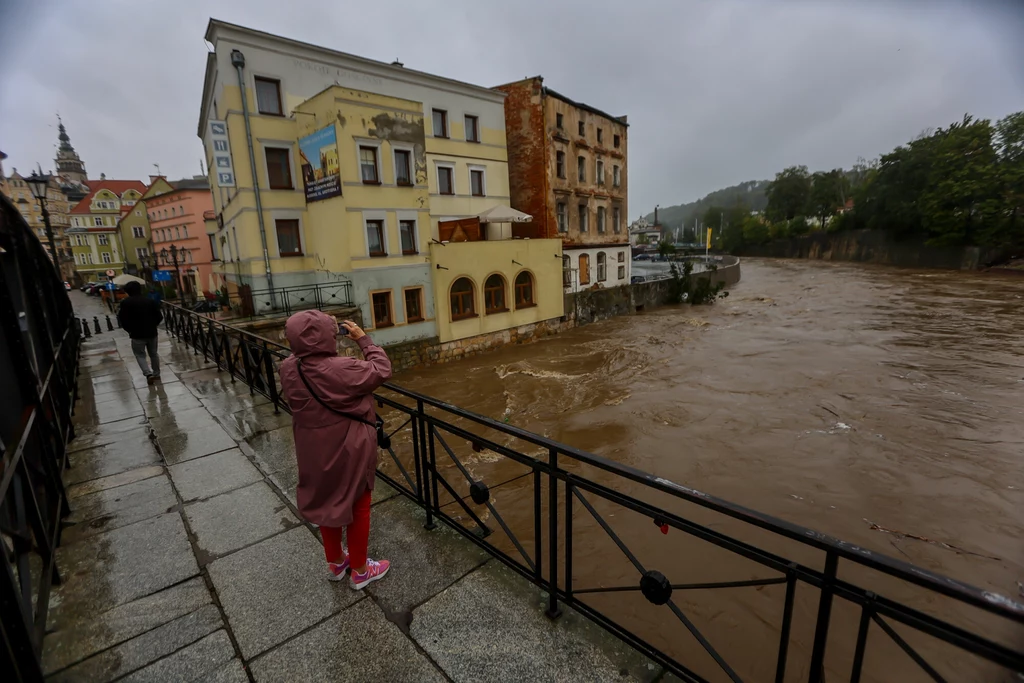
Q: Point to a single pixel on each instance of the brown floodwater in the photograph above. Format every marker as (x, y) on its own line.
(883, 406)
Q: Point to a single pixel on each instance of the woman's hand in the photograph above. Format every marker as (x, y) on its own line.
(354, 331)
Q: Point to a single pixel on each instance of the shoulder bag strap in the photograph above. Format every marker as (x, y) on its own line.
(298, 366)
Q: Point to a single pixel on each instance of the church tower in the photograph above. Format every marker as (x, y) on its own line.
(69, 165)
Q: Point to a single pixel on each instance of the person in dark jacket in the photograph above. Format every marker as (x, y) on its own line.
(139, 316)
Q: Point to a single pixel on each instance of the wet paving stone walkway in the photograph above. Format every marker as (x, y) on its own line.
(186, 560)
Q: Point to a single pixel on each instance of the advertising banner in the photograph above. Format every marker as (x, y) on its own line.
(321, 174)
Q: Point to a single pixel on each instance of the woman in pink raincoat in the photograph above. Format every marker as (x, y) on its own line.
(337, 454)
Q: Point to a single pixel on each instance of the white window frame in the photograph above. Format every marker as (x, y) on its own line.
(438, 165)
(602, 266)
(599, 171)
(375, 216)
(98, 221)
(105, 255)
(562, 221)
(406, 216)
(367, 142)
(617, 219)
(280, 93)
(616, 175)
(141, 252)
(138, 231)
(395, 148)
(602, 220)
(104, 241)
(483, 172)
(280, 144)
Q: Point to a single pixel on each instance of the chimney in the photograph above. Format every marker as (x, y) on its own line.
(152, 179)
(655, 216)
(103, 176)
(397, 63)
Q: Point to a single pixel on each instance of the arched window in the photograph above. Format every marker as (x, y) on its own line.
(494, 294)
(462, 299)
(566, 271)
(524, 290)
(584, 269)
(602, 266)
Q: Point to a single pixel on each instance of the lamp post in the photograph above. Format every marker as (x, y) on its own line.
(177, 270)
(39, 184)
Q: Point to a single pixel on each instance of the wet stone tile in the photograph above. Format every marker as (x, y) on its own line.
(121, 565)
(113, 412)
(286, 480)
(341, 644)
(275, 589)
(435, 558)
(194, 443)
(117, 507)
(191, 419)
(111, 432)
(232, 672)
(235, 519)
(213, 474)
(76, 491)
(249, 422)
(113, 458)
(142, 650)
(274, 450)
(195, 662)
(169, 406)
(76, 639)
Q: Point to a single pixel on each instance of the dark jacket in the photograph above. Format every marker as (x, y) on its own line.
(139, 316)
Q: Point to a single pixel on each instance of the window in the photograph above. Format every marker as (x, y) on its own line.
(375, 237)
(616, 178)
(446, 180)
(138, 231)
(560, 164)
(177, 232)
(137, 212)
(583, 217)
(583, 130)
(279, 170)
(184, 231)
(407, 230)
(581, 169)
(104, 240)
(106, 256)
(566, 271)
(622, 272)
(524, 290)
(494, 294)
(563, 222)
(622, 257)
(382, 316)
(268, 96)
(403, 167)
(368, 165)
(288, 237)
(414, 305)
(600, 219)
(584, 269)
(462, 299)
(476, 181)
(97, 220)
(600, 172)
(141, 253)
(440, 123)
(472, 129)
(181, 211)
(617, 223)
(600, 135)
(558, 121)
(615, 140)
(602, 266)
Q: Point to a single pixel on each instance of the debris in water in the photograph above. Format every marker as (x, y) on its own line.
(941, 544)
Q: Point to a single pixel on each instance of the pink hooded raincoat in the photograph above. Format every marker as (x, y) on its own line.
(337, 457)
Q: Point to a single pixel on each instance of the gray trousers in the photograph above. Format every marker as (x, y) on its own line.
(140, 347)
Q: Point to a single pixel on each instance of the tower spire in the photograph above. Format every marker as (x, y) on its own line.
(68, 162)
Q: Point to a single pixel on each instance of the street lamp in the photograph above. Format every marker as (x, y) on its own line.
(39, 185)
(177, 270)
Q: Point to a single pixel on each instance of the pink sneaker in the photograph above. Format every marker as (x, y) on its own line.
(337, 569)
(374, 570)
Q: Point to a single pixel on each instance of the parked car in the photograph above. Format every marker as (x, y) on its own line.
(642, 257)
(637, 278)
(206, 306)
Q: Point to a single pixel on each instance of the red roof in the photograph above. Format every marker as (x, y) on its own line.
(118, 187)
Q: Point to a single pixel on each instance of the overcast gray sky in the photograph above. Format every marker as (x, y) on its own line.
(717, 92)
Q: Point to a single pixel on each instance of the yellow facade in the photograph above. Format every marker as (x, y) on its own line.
(479, 261)
(134, 234)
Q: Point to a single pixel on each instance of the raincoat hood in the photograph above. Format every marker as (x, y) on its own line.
(312, 333)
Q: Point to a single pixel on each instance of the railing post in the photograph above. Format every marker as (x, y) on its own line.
(268, 364)
(432, 476)
(862, 637)
(824, 616)
(243, 345)
(553, 612)
(538, 541)
(417, 448)
(787, 621)
(568, 542)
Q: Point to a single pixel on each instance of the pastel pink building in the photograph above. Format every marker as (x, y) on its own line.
(176, 220)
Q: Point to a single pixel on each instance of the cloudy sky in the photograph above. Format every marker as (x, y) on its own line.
(717, 92)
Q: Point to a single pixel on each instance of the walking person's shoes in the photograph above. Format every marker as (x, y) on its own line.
(337, 570)
(151, 379)
(374, 570)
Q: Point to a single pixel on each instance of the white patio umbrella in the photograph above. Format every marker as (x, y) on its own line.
(124, 278)
(504, 214)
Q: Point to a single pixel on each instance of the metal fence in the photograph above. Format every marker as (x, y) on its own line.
(249, 303)
(765, 599)
(38, 373)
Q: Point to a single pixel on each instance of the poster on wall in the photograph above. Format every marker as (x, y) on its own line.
(321, 175)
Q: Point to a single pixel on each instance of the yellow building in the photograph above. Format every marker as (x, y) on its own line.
(133, 230)
(19, 192)
(95, 239)
(355, 163)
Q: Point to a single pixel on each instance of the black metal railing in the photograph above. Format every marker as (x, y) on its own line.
(38, 376)
(763, 599)
(248, 303)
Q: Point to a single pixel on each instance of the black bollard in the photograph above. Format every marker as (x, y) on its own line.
(96, 324)
(85, 328)
(110, 325)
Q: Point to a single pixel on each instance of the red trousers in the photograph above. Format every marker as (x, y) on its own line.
(358, 535)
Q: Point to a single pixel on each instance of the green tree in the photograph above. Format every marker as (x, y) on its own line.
(755, 231)
(714, 218)
(788, 194)
(1010, 144)
(828, 193)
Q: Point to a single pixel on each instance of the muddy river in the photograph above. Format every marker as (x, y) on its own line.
(879, 405)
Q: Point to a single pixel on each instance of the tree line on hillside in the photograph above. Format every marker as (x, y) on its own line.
(672, 218)
(956, 186)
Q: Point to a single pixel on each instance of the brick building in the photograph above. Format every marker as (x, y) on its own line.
(567, 168)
